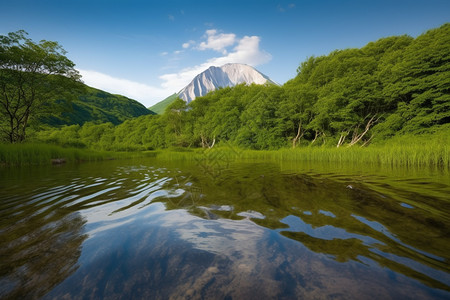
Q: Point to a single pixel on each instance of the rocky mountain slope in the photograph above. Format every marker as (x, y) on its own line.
(224, 76)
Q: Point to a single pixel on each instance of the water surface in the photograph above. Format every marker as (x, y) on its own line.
(215, 230)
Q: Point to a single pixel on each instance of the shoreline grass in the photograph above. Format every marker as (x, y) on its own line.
(405, 154)
(418, 152)
(44, 154)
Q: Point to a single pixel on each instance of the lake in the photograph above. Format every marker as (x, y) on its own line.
(223, 229)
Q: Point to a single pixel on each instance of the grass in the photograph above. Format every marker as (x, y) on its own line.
(41, 154)
(403, 151)
(409, 151)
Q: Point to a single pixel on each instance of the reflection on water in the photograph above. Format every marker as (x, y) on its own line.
(249, 230)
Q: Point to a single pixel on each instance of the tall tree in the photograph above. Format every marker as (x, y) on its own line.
(30, 75)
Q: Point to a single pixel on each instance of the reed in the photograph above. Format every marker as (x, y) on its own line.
(410, 151)
(405, 151)
(41, 154)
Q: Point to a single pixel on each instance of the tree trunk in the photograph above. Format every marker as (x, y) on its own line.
(357, 137)
(315, 137)
(367, 142)
(342, 139)
(205, 142)
(324, 140)
(298, 136)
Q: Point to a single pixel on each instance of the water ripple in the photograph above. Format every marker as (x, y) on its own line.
(48, 221)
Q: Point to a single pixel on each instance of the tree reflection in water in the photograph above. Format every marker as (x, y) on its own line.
(168, 231)
(39, 252)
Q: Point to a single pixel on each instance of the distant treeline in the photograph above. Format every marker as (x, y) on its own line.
(394, 86)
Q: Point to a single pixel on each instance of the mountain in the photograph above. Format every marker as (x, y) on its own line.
(160, 107)
(224, 76)
(92, 105)
(213, 78)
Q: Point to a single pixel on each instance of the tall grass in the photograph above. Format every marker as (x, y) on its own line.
(41, 154)
(394, 154)
(410, 151)
(404, 151)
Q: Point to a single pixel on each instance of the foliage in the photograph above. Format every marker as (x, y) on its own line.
(396, 86)
(30, 75)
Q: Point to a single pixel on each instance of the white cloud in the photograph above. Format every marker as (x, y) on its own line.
(283, 9)
(246, 51)
(146, 94)
(188, 44)
(280, 8)
(217, 41)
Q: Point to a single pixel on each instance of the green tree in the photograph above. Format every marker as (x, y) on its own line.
(260, 125)
(30, 75)
(175, 118)
(295, 110)
(420, 82)
(91, 134)
(154, 137)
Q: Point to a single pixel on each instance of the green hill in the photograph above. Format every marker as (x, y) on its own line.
(160, 107)
(92, 105)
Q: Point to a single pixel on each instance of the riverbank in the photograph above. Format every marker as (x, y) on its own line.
(405, 151)
(43, 154)
(383, 155)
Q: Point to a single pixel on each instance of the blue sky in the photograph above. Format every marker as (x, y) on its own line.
(148, 50)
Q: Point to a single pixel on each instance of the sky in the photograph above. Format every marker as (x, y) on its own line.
(149, 49)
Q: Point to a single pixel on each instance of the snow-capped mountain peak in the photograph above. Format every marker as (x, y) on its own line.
(224, 76)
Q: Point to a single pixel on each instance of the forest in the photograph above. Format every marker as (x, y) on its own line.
(394, 86)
